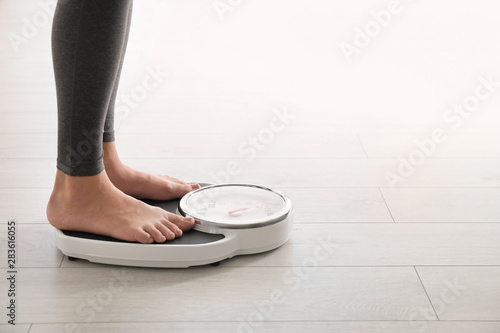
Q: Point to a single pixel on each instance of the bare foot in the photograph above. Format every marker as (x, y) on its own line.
(95, 205)
(141, 184)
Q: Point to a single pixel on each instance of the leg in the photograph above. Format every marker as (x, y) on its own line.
(109, 124)
(87, 38)
(133, 182)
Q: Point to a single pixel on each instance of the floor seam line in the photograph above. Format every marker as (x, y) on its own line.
(426, 293)
(386, 205)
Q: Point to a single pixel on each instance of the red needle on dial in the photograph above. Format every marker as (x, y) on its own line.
(245, 208)
(238, 210)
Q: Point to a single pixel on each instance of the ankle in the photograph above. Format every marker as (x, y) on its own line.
(74, 188)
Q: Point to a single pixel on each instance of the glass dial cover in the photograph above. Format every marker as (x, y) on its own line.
(235, 205)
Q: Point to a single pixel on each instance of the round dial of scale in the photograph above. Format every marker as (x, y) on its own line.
(236, 205)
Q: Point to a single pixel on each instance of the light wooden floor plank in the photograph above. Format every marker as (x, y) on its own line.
(386, 244)
(24, 122)
(213, 294)
(248, 144)
(454, 146)
(278, 173)
(378, 244)
(24, 205)
(272, 327)
(35, 246)
(27, 173)
(443, 204)
(40, 145)
(45, 105)
(311, 205)
(343, 172)
(14, 328)
(192, 145)
(463, 293)
(326, 205)
(40, 111)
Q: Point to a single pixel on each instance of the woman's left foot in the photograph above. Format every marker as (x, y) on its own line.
(140, 184)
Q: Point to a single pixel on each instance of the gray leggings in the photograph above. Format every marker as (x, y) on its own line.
(89, 38)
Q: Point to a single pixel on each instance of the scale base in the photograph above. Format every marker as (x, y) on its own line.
(194, 248)
(180, 255)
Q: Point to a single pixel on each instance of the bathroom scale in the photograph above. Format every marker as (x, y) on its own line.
(235, 219)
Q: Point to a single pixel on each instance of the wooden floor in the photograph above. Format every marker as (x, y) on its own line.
(397, 228)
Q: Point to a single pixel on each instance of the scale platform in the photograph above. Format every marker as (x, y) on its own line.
(207, 243)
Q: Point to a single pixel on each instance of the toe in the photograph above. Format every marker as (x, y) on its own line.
(167, 230)
(155, 233)
(143, 237)
(184, 223)
(172, 228)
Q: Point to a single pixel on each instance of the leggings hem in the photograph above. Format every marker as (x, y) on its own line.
(84, 169)
(108, 136)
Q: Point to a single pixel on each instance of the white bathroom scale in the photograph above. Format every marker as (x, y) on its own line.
(236, 219)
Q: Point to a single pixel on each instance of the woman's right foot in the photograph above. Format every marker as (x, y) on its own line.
(93, 204)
